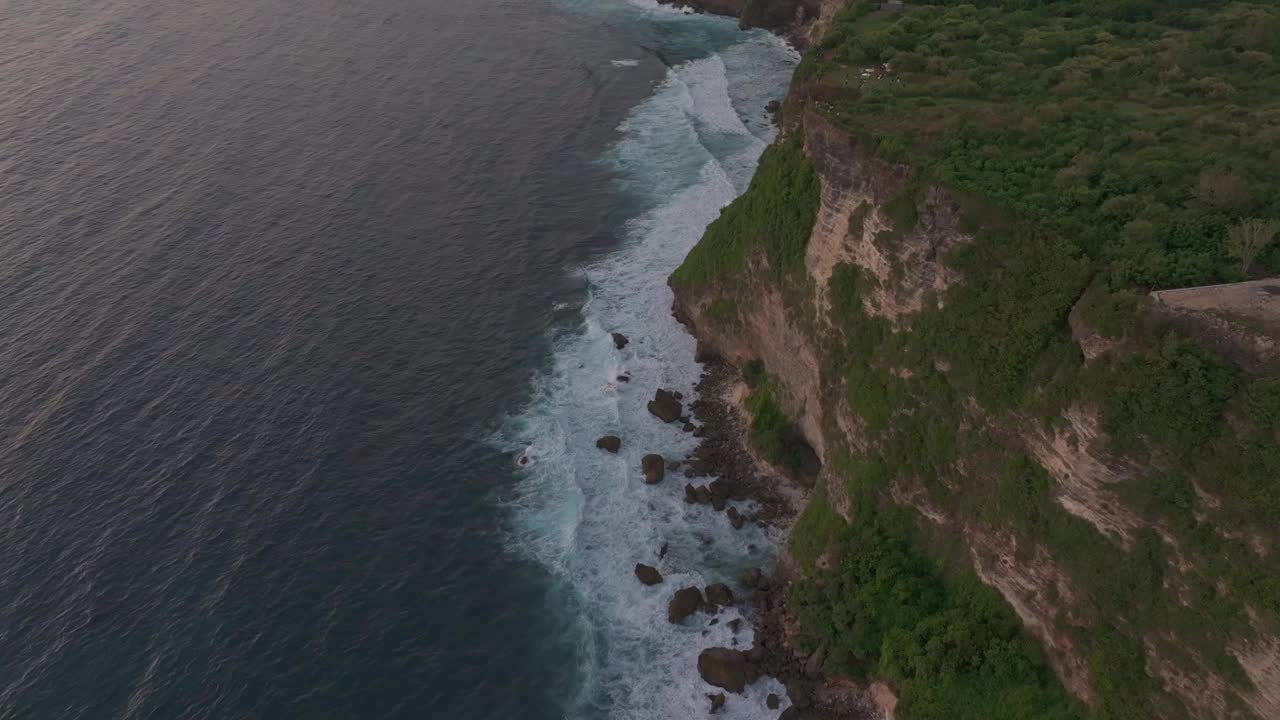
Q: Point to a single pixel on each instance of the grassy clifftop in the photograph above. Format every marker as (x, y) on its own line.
(1031, 423)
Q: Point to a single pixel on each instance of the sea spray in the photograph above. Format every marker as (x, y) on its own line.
(585, 514)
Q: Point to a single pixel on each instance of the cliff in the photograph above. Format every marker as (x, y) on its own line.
(1043, 492)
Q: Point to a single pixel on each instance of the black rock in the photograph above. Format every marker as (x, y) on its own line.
(623, 378)
(735, 518)
(619, 340)
(688, 427)
(654, 468)
(648, 574)
(799, 695)
(719, 594)
(772, 702)
(677, 395)
(717, 502)
(773, 106)
(703, 494)
(610, 443)
(734, 624)
(662, 551)
(684, 603)
(673, 465)
(665, 406)
(724, 668)
(791, 713)
(690, 494)
(717, 701)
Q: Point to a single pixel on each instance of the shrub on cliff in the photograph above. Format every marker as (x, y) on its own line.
(776, 213)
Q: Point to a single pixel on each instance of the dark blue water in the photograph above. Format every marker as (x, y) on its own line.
(270, 272)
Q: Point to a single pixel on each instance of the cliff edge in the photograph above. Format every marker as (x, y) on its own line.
(1049, 476)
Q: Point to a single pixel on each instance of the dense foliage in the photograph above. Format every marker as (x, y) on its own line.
(951, 647)
(776, 212)
(1144, 130)
(771, 431)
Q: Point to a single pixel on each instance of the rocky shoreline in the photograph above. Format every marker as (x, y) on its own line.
(724, 453)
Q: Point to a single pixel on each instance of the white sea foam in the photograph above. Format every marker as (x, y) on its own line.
(624, 63)
(585, 514)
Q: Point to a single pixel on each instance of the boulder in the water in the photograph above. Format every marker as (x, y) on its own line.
(717, 701)
(690, 494)
(719, 594)
(623, 378)
(666, 406)
(772, 701)
(717, 502)
(654, 468)
(619, 340)
(609, 442)
(735, 518)
(689, 427)
(723, 667)
(684, 603)
(648, 574)
(773, 106)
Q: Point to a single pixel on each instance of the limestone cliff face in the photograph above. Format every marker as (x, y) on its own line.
(791, 335)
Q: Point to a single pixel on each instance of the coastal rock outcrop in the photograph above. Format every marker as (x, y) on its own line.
(666, 406)
(619, 340)
(723, 667)
(611, 443)
(653, 467)
(684, 603)
(648, 574)
(719, 594)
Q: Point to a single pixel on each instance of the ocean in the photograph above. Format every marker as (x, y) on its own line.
(287, 289)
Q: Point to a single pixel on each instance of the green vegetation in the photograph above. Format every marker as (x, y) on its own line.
(1144, 130)
(772, 434)
(777, 211)
(950, 646)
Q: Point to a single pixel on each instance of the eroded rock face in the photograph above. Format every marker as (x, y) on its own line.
(684, 603)
(719, 594)
(666, 406)
(723, 667)
(653, 467)
(648, 574)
